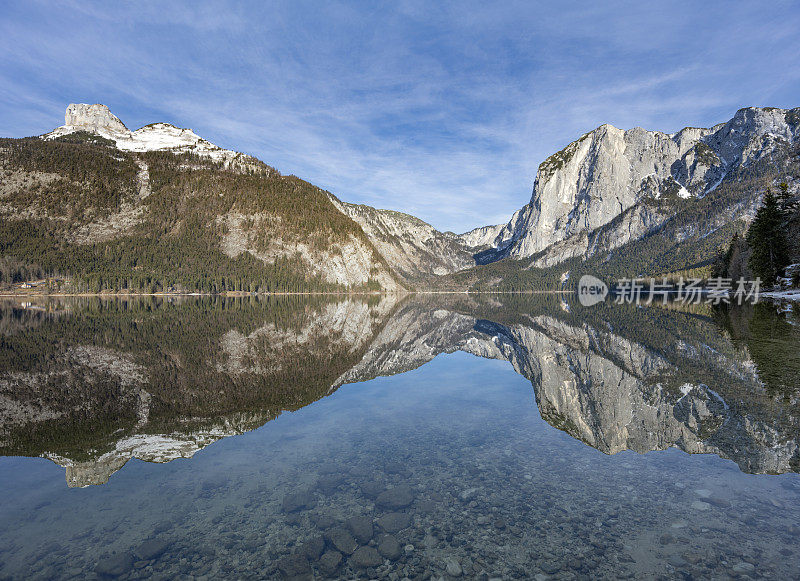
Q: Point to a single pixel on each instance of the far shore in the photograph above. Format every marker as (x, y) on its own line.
(785, 295)
(115, 295)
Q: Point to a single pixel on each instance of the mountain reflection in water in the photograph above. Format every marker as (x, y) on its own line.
(91, 384)
(401, 459)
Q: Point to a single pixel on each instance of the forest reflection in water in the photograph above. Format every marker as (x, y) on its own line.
(90, 384)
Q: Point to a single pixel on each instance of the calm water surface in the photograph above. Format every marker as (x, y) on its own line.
(423, 439)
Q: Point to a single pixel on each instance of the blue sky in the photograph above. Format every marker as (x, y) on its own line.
(443, 110)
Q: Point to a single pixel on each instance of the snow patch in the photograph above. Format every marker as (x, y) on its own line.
(99, 120)
(714, 187)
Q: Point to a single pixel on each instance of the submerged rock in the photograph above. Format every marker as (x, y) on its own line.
(295, 568)
(329, 562)
(328, 483)
(115, 565)
(371, 489)
(151, 549)
(323, 521)
(744, 567)
(297, 501)
(453, 567)
(361, 527)
(314, 547)
(390, 548)
(397, 497)
(341, 540)
(719, 502)
(365, 557)
(550, 567)
(394, 521)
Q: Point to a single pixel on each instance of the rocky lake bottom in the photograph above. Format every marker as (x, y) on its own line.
(443, 472)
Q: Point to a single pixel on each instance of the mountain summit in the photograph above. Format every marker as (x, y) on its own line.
(99, 120)
(609, 173)
(94, 118)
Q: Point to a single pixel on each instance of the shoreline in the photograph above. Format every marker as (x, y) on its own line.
(784, 295)
(6, 294)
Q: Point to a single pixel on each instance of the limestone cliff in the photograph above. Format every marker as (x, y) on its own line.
(608, 172)
(414, 249)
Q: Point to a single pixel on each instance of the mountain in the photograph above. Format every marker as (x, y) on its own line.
(95, 206)
(97, 119)
(616, 203)
(612, 187)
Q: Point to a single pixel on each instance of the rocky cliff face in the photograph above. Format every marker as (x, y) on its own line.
(611, 188)
(413, 248)
(94, 118)
(609, 172)
(350, 262)
(482, 236)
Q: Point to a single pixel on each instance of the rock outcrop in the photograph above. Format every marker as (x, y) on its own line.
(608, 172)
(482, 236)
(93, 118)
(98, 119)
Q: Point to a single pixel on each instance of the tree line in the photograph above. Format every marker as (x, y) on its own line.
(765, 250)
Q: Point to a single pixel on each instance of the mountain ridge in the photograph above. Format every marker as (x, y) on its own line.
(577, 189)
(96, 207)
(411, 248)
(599, 201)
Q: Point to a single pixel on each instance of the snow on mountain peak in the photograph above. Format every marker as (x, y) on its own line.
(98, 119)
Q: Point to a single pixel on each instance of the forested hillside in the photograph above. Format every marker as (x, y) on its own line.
(79, 211)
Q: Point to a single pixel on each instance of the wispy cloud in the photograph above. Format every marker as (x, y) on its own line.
(441, 110)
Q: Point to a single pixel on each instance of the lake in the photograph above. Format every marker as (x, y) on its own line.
(429, 437)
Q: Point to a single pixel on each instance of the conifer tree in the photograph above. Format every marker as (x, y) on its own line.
(767, 239)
